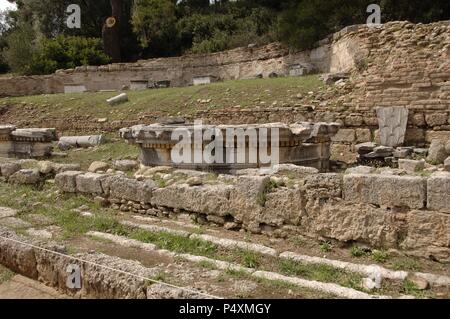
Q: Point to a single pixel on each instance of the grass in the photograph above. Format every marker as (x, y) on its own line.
(380, 256)
(178, 244)
(407, 264)
(5, 274)
(357, 252)
(171, 101)
(106, 153)
(249, 259)
(326, 246)
(321, 273)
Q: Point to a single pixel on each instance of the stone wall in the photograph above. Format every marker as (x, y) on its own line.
(379, 209)
(241, 63)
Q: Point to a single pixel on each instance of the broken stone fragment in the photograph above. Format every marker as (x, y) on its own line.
(98, 166)
(419, 282)
(437, 153)
(25, 177)
(126, 165)
(8, 169)
(447, 164)
(411, 165)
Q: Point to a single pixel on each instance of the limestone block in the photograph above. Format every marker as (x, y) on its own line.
(204, 199)
(438, 192)
(436, 119)
(282, 206)
(363, 135)
(25, 177)
(385, 190)
(98, 166)
(247, 197)
(344, 135)
(411, 165)
(430, 231)
(90, 183)
(354, 222)
(438, 135)
(447, 164)
(343, 153)
(437, 153)
(66, 181)
(7, 169)
(121, 187)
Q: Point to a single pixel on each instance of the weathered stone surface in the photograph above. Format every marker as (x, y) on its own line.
(436, 119)
(437, 153)
(411, 165)
(438, 192)
(282, 206)
(437, 135)
(248, 196)
(392, 123)
(344, 135)
(59, 168)
(7, 212)
(121, 98)
(429, 231)
(343, 153)
(360, 170)
(447, 147)
(205, 199)
(447, 164)
(293, 171)
(385, 190)
(126, 165)
(354, 222)
(98, 166)
(15, 256)
(128, 188)
(66, 181)
(363, 135)
(25, 176)
(7, 169)
(323, 186)
(90, 183)
(45, 167)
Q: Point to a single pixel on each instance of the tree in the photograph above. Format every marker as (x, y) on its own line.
(154, 23)
(111, 31)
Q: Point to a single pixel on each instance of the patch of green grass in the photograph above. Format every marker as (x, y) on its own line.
(106, 153)
(410, 288)
(249, 258)
(161, 183)
(169, 101)
(380, 256)
(326, 246)
(207, 265)
(321, 273)
(5, 274)
(407, 264)
(357, 251)
(175, 243)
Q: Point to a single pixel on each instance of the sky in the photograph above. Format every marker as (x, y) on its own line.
(5, 4)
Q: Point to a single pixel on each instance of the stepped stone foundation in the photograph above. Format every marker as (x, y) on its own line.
(301, 143)
(26, 143)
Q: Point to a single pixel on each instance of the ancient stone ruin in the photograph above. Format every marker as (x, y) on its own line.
(300, 143)
(26, 143)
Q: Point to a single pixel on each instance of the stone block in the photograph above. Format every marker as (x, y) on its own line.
(411, 165)
(345, 135)
(90, 183)
(385, 190)
(437, 153)
(66, 181)
(343, 153)
(436, 119)
(8, 169)
(438, 192)
(25, 177)
(363, 135)
(121, 187)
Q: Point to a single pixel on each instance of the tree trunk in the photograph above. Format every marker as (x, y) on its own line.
(111, 32)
